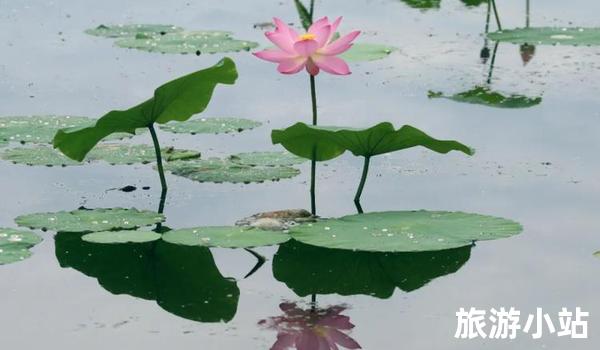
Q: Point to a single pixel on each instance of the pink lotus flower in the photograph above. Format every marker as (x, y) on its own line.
(314, 50)
(319, 329)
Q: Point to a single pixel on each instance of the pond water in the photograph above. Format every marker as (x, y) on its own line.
(536, 165)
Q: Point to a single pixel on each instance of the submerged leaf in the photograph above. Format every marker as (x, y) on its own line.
(404, 231)
(115, 154)
(183, 281)
(132, 30)
(211, 126)
(225, 237)
(364, 52)
(90, 220)
(330, 142)
(119, 237)
(266, 159)
(222, 170)
(15, 244)
(484, 96)
(307, 269)
(176, 100)
(197, 42)
(549, 36)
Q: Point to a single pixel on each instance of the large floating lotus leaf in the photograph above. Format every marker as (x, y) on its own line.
(367, 52)
(90, 220)
(310, 142)
(225, 237)
(404, 231)
(310, 270)
(131, 30)
(182, 280)
(223, 170)
(15, 244)
(42, 128)
(176, 100)
(116, 154)
(197, 42)
(267, 159)
(329, 142)
(474, 3)
(549, 36)
(483, 96)
(211, 126)
(119, 237)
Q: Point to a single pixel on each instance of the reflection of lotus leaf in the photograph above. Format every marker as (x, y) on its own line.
(404, 231)
(15, 244)
(182, 280)
(484, 96)
(310, 270)
(549, 36)
(90, 220)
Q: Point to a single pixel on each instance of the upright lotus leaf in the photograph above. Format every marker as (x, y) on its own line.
(310, 270)
(404, 231)
(175, 100)
(304, 14)
(15, 245)
(132, 30)
(482, 95)
(90, 220)
(310, 142)
(549, 36)
(182, 280)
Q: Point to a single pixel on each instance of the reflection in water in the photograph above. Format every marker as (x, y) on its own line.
(311, 270)
(182, 280)
(311, 329)
(527, 51)
(434, 4)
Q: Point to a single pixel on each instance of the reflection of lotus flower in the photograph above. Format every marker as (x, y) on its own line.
(527, 52)
(314, 50)
(318, 329)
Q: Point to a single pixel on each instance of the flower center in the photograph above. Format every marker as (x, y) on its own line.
(307, 36)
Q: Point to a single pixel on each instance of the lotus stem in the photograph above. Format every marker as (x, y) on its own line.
(527, 8)
(361, 186)
(159, 163)
(496, 15)
(493, 61)
(313, 303)
(487, 18)
(313, 163)
(260, 260)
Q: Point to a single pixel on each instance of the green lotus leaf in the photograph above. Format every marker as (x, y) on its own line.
(549, 36)
(211, 126)
(225, 237)
(176, 100)
(364, 52)
(266, 159)
(404, 231)
(310, 142)
(119, 237)
(196, 42)
(307, 269)
(330, 142)
(597, 254)
(90, 220)
(132, 30)
(474, 3)
(15, 244)
(304, 14)
(423, 4)
(484, 96)
(223, 170)
(115, 154)
(42, 128)
(182, 280)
